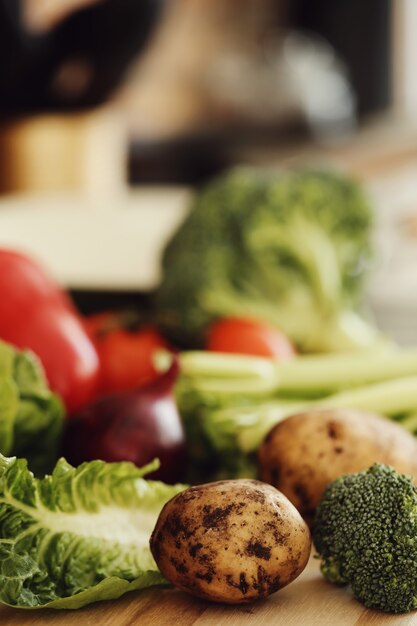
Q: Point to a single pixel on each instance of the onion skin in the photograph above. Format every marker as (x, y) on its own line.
(136, 426)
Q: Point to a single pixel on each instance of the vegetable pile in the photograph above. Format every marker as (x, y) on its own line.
(265, 270)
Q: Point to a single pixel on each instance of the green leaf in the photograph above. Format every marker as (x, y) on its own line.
(9, 404)
(79, 535)
(31, 416)
(38, 430)
(29, 376)
(108, 589)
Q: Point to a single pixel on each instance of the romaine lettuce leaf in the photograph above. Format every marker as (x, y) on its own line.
(79, 535)
(31, 416)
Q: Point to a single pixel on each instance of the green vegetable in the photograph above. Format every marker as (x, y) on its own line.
(365, 532)
(79, 535)
(291, 249)
(302, 377)
(31, 416)
(229, 403)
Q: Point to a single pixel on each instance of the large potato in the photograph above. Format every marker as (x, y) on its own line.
(231, 541)
(305, 452)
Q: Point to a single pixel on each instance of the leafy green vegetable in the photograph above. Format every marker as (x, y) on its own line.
(79, 535)
(229, 403)
(365, 532)
(31, 416)
(291, 249)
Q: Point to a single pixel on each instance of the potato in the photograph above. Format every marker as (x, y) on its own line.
(305, 452)
(231, 541)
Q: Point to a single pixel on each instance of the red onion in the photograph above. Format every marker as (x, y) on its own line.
(135, 426)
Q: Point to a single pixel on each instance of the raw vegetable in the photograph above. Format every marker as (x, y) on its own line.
(77, 536)
(135, 426)
(36, 314)
(244, 336)
(289, 249)
(305, 376)
(231, 541)
(229, 403)
(31, 416)
(365, 532)
(126, 350)
(304, 453)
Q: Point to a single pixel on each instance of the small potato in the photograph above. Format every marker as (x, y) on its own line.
(231, 541)
(305, 452)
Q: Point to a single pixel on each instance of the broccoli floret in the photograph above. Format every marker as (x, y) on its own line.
(365, 532)
(291, 249)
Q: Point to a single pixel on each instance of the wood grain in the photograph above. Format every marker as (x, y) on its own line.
(310, 600)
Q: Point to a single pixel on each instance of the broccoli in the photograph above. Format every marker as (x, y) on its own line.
(365, 532)
(291, 249)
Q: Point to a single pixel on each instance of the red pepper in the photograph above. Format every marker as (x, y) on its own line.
(35, 313)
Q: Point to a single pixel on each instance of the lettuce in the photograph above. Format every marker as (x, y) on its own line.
(31, 416)
(79, 535)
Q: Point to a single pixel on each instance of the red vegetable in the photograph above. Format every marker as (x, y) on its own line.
(135, 426)
(245, 336)
(36, 313)
(126, 354)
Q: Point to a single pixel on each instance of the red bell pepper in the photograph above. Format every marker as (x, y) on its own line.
(35, 313)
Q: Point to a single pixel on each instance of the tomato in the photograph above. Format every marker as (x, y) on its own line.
(246, 336)
(35, 313)
(126, 356)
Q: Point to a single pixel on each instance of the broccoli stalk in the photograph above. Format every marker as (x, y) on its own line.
(365, 533)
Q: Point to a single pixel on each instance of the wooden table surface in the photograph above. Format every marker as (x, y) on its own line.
(309, 601)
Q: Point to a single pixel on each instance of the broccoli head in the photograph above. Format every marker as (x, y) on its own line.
(290, 249)
(365, 532)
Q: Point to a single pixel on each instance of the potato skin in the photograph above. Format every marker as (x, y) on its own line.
(231, 541)
(305, 452)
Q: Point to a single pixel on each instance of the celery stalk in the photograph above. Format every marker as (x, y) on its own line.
(303, 376)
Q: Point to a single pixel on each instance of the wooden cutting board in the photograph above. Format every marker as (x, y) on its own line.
(309, 601)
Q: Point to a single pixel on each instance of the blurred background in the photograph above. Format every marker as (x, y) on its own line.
(114, 111)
